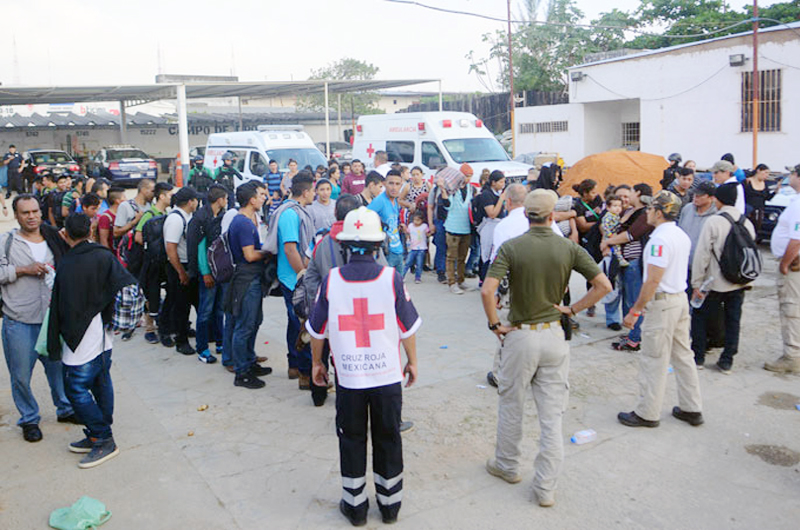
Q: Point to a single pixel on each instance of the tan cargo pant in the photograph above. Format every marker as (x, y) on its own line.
(537, 360)
(665, 338)
(789, 300)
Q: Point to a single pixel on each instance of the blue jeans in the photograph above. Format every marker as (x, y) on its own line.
(612, 309)
(440, 242)
(416, 258)
(474, 253)
(19, 341)
(91, 393)
(395, 261)
(631, 285)
(300, 359)
(227, 332)
(209, 314)
(245, 328)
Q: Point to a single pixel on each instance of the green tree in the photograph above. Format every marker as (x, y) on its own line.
(346, 69)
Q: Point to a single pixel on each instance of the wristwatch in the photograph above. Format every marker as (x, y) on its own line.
(494, 326)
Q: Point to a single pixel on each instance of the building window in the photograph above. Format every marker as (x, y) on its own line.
(769, 95)
(544, 127)
(630, 136)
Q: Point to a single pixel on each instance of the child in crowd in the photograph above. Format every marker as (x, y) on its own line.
(417, 245)
(610, 224)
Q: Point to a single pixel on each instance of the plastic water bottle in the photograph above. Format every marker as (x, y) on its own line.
(697, 301)
(583, 437)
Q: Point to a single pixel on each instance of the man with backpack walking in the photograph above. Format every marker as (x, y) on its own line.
(204, 228)
(718, 258)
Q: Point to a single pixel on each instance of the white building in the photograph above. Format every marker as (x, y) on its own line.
(694, 99)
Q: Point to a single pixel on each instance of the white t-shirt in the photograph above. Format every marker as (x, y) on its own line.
(127, 211)
(39, 250)
(92, 344)
(668, 248)
(739, 194)
(227, 219)
(419, 236)
(513, 225)
(175, 232)
(383, 169)
(788, 227)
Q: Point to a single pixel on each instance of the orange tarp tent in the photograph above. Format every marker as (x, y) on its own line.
(615, 168)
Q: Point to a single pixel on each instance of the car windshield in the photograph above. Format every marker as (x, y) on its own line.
(51, 157)
(467, 150)
(303, 157)
(119, 154)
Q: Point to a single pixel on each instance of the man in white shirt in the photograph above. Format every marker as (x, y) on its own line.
(665, 332)
(382, 164)
(723, 174)
(181, 290)
(785, 245)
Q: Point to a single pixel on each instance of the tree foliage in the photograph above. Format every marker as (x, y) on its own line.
(346, 69)
(543, 51)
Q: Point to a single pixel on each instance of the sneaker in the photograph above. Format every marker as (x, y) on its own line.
(441, 277)
(69, 418)
(260, 360)
(625, 344)
(417, 280)
(614, 326)
(185, 349)
(206, 357)
(692, 418)
(464, 287)
(100, 452)
(724, 367)
(81, 446)
(293, 373)
(406, 426)
(219, 349)
(591, 312)
(546, 500)
(151, 337)
(126, 336)
(511, 478)
(259, 370)
(631, 419)
(783, 365)
(491, 379)
(248, 380)
(356, 517)
(455, 289)
(167, 341)
(31, 432)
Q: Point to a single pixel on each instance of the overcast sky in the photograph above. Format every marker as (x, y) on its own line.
(101, 42)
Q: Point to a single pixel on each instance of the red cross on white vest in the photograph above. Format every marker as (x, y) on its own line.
(361, 322)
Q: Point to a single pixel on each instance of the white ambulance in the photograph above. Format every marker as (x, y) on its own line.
(254, 149)
(433, 140)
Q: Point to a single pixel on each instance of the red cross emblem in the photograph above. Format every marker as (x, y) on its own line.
(215, 160)
(359, 224)
(361, 322)
(370, 150)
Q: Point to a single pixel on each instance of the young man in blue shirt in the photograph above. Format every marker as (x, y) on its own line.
(387, 208)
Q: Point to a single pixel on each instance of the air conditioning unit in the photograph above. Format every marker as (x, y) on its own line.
(577, 76)
(737, 59)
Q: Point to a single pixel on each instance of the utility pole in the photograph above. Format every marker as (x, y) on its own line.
(511, 83)
(756, 84)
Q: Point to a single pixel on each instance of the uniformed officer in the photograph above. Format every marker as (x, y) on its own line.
(535, 354)
(200, 178)
(365, 313)
(226, 175)
(785, 245)
(665, 331)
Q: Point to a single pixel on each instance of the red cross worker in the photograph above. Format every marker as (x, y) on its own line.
(365, 313)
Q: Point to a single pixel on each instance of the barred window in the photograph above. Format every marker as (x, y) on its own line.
(544, 127)
(769, 106)
(631, 136)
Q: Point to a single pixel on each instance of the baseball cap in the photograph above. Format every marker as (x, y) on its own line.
(705, 188)
(466, 169)
(668, 203)
(722, 165)
(540, 202)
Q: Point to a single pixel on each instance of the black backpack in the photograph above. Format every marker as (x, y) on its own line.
(153, 237)
(740, 261)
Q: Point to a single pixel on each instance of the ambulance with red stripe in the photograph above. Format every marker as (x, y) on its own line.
(433, 140)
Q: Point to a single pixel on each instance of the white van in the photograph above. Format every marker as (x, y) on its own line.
(433, 140)
(254, 149)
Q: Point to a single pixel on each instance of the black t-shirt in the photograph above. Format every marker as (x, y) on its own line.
(587, 211)
(485, 199)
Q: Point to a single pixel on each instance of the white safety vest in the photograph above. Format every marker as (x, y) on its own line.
(363, 331)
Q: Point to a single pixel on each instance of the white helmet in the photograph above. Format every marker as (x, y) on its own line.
(362, 225)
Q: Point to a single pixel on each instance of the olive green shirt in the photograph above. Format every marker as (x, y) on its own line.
(539, 264)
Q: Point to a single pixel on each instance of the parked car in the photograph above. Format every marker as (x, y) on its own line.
(55, 161)
(775, 206)
(339, 150)
(122, 164)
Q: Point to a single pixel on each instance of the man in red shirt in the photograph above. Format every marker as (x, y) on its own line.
(105, 224)
(353, 183)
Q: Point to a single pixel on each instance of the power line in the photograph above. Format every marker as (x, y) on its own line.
(698, 85)
(569, 25)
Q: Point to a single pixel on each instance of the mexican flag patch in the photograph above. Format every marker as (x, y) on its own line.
(656, 251)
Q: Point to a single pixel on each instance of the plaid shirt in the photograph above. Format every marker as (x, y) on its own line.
(128, 308)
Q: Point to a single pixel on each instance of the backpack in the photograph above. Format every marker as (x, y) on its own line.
(153, 237)
(220, 259)
(740, 261)
(130, 253)
(55, 198)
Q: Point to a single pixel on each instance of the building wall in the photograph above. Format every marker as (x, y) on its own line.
(569, 145)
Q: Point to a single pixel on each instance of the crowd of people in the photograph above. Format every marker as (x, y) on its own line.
(221, 249)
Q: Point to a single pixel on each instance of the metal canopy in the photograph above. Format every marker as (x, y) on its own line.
(24, 95)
